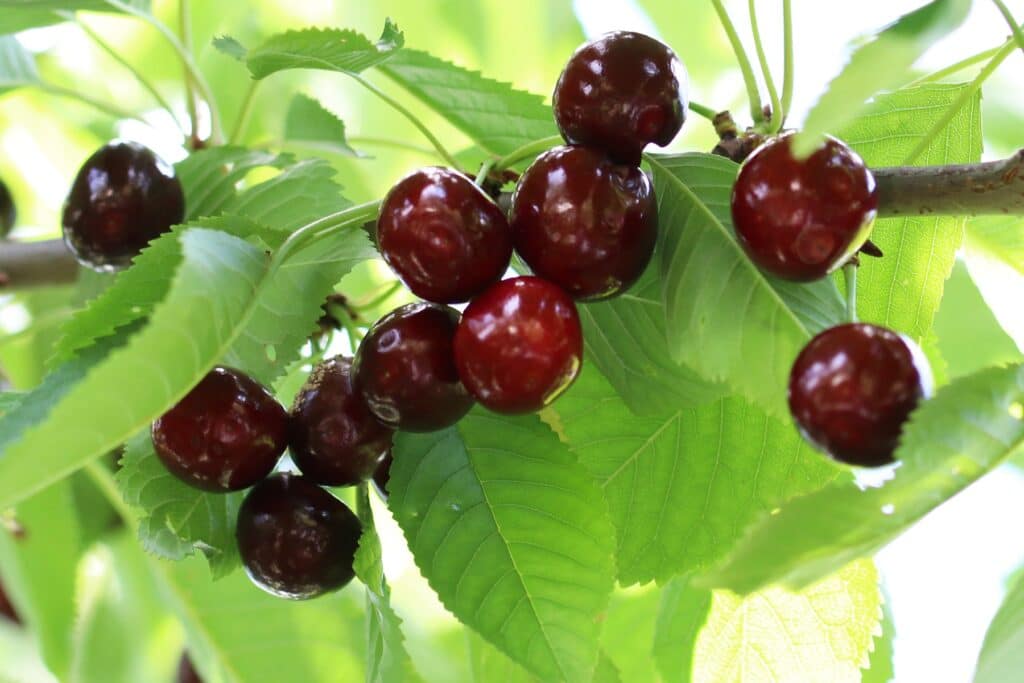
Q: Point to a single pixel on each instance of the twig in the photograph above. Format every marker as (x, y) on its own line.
(34, 264)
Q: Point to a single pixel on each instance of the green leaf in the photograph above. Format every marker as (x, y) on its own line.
(625, 339)
(236, 633)
(880, 666)
(313, 48)
(629, 631)
(512, 534)
(1002, 654)
(211, 299)
(17, 66)
(368, 564)
(774, 635)
(488, 664)
(177, 519)
(1000, 236)
(210, 177)
(726, 319)
(310, 124)
(492, 114)
(902, 291)
(994, 254)
(968, 429)
(231, 47)
(19, 15)
(883, 63)
(39, 570)
(681, 486)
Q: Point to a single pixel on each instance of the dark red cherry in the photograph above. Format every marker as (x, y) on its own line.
(853, 387)
(519, 345)
(802, 219)
(7, 212)
(405, 369)
(226, 434)
(296, 539)
(123, 197)
(186, 672)
(382, 475)
(443, 235)
(333, 437)
(7, 610)
(585, 223)
(621, 92)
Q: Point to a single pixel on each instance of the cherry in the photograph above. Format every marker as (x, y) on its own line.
(122, 198)
(186, 672)
(7, 212)
(519, 345)
(802, 219)
(226, 434)
(621, 92)
(6, 608)
(405, 369)
(585, 223)
(333, 437)
(296, 539)
(382, 475)
(853, 387)
(443, 235)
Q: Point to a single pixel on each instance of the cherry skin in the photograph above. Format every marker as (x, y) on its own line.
(443, 235)
(123, 197)
(7, 211)
(227, 434)
(405, 369)
(621, 92)
(296, 540)
(382, 475)
(333, 437)
(519, 345)
(802, 219)
(853, 387)
(585, 223)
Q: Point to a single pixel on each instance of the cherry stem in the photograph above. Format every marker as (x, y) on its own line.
(485, 170)
(789, 65)
(753, 93)
(242, 122)
(850, 278)
(378, 299)
(1018, 35)
(528, 151)
(701, 110)
(775, 122)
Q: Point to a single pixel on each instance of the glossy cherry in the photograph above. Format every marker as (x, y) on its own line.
(296, 539)
(621, 92)
(853, 387)
(800, 219)
(519, 345)
(382, 475)
(7, 211)
(333, 437)
(585, 223)
(186, 672)
(123, 197)
(226, 434)
(405, 369)
(6, 608)
(443, 235)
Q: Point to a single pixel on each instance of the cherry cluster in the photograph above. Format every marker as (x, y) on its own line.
(853, 387)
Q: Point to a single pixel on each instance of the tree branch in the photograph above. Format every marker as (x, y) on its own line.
(992, 188)
(35, 264)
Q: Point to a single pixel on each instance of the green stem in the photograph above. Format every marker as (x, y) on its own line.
(485, 170)
(700, 110)
(789, 66)
(322, 227)
(850, 277)
(961, 101)
(186, 58)
(1014, 28)
(99, 105)
(958, 67)
(191, 98)
(107, 486)
(775, 123)
(120, 59)
(392, 144)
(397, 106)
(380, 298)
(528, 151)
(243, 114)
(756, 109)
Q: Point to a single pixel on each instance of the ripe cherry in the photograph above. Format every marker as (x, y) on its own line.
(585, 223)
(853, 387)
(621, 92)
(333, 437)
(405, 369)
(800, 219)
(123, 197)
(443, 235)
(519, 345)
(226, 434)
(296, 539)
(7, 212)
(6, 608)
(382, 475)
